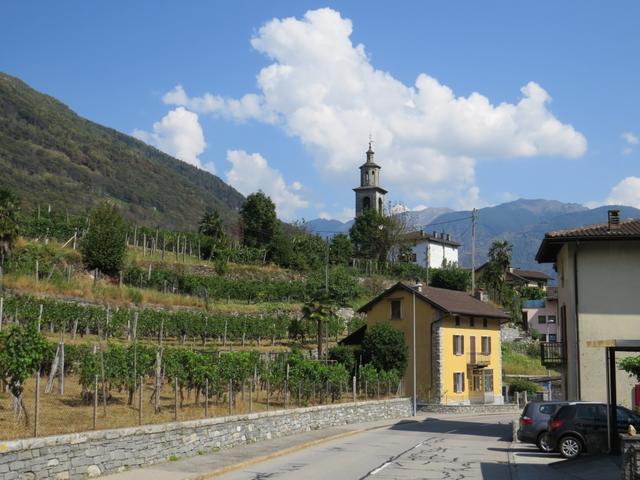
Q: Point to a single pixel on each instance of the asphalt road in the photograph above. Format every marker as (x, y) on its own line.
(457, 448)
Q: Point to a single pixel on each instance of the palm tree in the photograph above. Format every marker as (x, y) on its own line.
(9, 210)
(498, 265)
(318, 311)
(211, 225)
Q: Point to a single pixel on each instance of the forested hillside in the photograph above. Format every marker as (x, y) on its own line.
(50, 155)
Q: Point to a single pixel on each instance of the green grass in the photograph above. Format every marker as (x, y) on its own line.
(516, 363)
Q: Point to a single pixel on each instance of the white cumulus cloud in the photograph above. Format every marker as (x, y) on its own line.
(324, 90)
(631, 140)
(626, 192)
(250, 172)
(179, 134)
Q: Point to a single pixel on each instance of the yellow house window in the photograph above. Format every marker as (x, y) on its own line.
(458, 344)
(486, 345)
(396, 309)
(458, 382)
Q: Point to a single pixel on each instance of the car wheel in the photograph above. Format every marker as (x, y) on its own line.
(543, 443)
(570, 447)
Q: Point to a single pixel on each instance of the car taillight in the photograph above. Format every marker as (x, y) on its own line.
(524, 421)
(553, 424)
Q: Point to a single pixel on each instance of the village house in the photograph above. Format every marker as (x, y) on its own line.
(431, 250)
(457, 338)
(541, 316)
(598, 296)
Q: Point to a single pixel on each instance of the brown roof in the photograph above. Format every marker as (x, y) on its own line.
(530, 274)
(553, 241)
(448, 301)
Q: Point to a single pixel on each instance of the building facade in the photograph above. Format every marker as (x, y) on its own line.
(458, 354)
(369, 195)
(433, 251)
(541, 316)
(598, 299)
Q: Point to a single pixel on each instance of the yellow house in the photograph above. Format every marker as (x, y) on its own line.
(458, 356)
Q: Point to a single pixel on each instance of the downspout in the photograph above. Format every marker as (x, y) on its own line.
(575, 306)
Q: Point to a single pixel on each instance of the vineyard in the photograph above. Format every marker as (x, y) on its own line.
(110, 384)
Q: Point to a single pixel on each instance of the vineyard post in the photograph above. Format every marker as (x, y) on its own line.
(36, 416)
(140, 400)
(224, 341)
(40, 318)
(75, 238)
(163, 246)
(95, 277)
(230, 394)
(135, 236)
(251, 396)
(353, 387)
(104, 385)
(378, 389)
(144, 245)
(95, 402)
(37, 269)
(1, 306)
(1, 276)
(366, 389)
(175, 399)
(286, 388)
(206, 398)
(120, 279)
(155, 241)
(157, 386)
(61, 382)
(75, 328)
(268, 394)
(149, 274)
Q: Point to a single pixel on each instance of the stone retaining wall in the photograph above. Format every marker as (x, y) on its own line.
(90, 454)
(470, 409)
(630, 456)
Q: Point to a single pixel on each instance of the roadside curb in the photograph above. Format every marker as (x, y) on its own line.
(286, 451)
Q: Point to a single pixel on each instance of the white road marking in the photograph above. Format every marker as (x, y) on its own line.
(384, 465)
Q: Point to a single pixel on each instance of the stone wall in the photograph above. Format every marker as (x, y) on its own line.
(630, 457)
(91, 454)
(472, 409)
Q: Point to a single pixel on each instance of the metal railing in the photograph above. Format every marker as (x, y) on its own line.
(552, 354)
(479, 358)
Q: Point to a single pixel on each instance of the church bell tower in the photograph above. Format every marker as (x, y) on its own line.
(369, 194)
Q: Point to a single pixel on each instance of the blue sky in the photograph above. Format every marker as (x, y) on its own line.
(290, 112)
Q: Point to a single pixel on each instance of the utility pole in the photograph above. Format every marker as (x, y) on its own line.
(474, 214)
(326, 269)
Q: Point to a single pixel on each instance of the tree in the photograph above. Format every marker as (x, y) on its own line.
(318, 311)
(495, 272)
(105, 244)
(386, 348)
(631, 365)
(22, 350)
(341, 250)
(9, 210)
(211, 226)
(259, 220)
(451, 276)
(375, 235)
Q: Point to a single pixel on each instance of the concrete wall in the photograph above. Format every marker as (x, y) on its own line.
(91, 454)
(608, 308)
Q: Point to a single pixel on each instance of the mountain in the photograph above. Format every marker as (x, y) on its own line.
(522, 223)
(418, 218)
(50, 155)
(327, 228)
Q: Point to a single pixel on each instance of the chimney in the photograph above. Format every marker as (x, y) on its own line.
(418, 286)
(614, 219)
(435, 234)
(448, 237)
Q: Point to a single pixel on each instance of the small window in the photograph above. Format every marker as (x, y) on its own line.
(458, 345)
(542, 319)
(457, 321)
(486, 345)
(551, 319)
(472, 322)
(396, 309)
(488, 380)
(485, 323)
(458, 382)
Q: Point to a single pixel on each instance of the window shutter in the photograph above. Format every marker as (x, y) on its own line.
(462, 344)
(455, 344)
(462, 383)
(489, 345)
(455, 383)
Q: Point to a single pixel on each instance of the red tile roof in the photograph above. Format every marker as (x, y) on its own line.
(448, 301)
(553, 241)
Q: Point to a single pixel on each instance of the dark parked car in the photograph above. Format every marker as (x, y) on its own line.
(582, 427)
(534, 423)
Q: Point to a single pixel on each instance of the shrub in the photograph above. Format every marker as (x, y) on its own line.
(104, 245)
(345, 355)
(522, 385)
(385, 348)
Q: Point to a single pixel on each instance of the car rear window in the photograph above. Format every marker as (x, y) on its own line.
(565, 412)
(548, 409)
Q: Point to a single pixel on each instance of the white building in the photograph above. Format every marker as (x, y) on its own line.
(433, 250)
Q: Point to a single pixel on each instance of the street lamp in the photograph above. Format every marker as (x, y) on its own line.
(418, 287)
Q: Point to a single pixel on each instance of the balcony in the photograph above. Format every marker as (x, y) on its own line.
(479, 359)
(552, 354)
